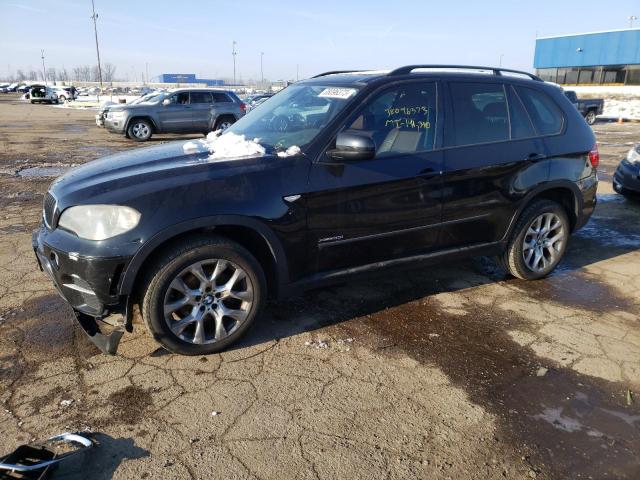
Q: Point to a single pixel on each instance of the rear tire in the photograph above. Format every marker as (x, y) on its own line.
(140, 130)
(216, 309)
(538, 242)
(590, 117)
(224, 122)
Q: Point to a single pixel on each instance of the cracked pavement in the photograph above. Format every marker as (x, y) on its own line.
(453, 371)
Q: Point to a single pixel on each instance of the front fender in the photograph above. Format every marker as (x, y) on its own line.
(133, 268)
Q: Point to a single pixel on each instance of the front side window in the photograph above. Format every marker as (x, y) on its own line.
(479, 112)
(181, 98)
(401, 119)
(295, 116)
(201, 97)
(546, 115)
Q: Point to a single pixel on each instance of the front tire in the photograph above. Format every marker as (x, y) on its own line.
(538, 242)
(203, 295)
(140, 130)
(590, 117)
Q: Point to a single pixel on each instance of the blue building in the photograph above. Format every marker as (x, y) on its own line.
(611, 57)
(189, 78)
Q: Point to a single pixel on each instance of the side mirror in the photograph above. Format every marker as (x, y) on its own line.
(166, 102)
(352, 146)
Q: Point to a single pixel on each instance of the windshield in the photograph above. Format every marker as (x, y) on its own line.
(293, 117)
(148, 98)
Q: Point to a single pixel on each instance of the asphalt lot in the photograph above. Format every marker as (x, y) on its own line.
(448, 372)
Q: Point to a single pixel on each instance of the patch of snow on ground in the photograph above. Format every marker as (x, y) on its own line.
(230, 145)
(627, 109)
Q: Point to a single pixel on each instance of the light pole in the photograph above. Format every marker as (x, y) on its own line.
(261, 70)
(234, 53)
(94, 17)
(631, 19)
(501, 57)
(44, 70)
(297, 72)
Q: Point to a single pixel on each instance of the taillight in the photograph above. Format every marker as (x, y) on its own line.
(243, 107)
(594, 156)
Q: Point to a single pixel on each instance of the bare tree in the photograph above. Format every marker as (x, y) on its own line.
(52, 74)
(64, 75)
(20, 76)
(108, 72)
(95, 73)
(33, 75)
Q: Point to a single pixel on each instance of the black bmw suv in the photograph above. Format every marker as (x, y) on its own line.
(335, 176)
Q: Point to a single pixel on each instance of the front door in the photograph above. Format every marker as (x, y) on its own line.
(388, 207)
(176, 117)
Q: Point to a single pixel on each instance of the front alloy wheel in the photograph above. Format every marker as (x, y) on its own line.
(140, 130)
(590, 117)
(208, 301)
(202, 294)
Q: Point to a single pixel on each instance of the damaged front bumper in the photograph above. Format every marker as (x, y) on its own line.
(89, 284)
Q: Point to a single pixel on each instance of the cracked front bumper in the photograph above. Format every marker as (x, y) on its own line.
(88, 284)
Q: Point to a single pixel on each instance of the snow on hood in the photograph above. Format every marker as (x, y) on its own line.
(230, 145)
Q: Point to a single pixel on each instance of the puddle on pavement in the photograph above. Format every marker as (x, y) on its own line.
(565, 425)
(42, 172)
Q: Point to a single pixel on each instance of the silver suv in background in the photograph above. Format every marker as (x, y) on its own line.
(193, 110)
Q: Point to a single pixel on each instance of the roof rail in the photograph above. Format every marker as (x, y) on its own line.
(335, 72)
(496, 70)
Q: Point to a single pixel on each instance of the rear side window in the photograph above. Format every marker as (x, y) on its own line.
(201, 97)
(546, 115)
(521, 126)
(221, 98)
(480, 114)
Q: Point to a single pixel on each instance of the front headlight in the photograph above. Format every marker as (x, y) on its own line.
(116, 115)
(633, 156)
(99, 222)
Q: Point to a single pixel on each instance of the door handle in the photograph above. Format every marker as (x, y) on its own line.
(535, 156)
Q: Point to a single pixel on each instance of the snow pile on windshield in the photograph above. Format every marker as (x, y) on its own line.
(230, 145)
(291, 151)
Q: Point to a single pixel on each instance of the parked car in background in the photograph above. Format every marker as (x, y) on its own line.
(253, 101)
(400, 169)
(42, 94)
(66, 93)
(13, 87)
(104, 109)
(4, 88)
(626, 180)
(195, 110)
(589, 108)
(23, 88)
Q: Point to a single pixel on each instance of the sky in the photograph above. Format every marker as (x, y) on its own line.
(298, 38)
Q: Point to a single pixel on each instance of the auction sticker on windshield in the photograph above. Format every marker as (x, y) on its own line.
(337, 92)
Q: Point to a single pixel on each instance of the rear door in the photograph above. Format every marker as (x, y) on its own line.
(176, 117)
(492, 157)
(388, 207)
(201, 105)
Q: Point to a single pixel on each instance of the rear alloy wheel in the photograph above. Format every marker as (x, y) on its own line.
(62, 98)
(223, 123)
(539, 241)
(590, 117)
(140, 130)
(204, 296)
